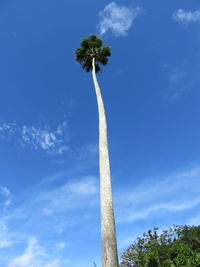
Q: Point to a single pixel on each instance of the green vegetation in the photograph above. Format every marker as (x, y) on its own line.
(92, 48)
(178, 246)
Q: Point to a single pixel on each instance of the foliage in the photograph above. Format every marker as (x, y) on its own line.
(92, 48)
(178, 246)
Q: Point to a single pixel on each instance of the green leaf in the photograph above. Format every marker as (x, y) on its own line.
(92, 48)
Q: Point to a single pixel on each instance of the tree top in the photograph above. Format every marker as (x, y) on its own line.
(92, 48)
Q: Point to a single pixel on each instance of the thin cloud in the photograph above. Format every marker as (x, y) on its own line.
(44, 138)
(161, 208)
(53, 203)
(117, 19)
(68, 197)
(7, 129)
(35, 256)
(183, 78)
(87, 151)
(86, 187)
(194, 220)
(172, 194)
(5, 197)
(58, 207)
(61, 245)
(186, 16)
(5, 240)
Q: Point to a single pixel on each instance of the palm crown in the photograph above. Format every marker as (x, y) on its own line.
(92, 48)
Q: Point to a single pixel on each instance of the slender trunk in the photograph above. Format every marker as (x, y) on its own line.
(108, 233)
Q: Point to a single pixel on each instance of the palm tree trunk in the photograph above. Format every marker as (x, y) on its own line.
(108, 233)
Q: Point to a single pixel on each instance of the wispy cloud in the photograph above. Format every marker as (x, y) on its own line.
(85, 187)
(5, 197)
(160, 197)
(61, 245)
(7, 129)
(5, 240)
(194, 220)
(62, 206)
(87, 151)
(35, 256)
(44, 138)
(70, 196)
(56, 205)
(117, 19)
(45, 213)
(186, 16)
(183, 78)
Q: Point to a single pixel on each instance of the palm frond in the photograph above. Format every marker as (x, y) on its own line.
(92, 48)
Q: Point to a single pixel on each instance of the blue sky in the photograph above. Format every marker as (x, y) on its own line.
(49, 183)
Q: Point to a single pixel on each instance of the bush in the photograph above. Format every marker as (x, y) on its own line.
(178, 246)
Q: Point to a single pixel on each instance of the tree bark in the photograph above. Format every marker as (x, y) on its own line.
(108, 232)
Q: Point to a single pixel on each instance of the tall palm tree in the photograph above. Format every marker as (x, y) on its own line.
(91, 55)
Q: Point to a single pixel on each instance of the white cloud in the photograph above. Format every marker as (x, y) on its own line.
(183, 78)
(46, 212)
(87, 151)
(50, 141)
(28, 257)
(194, 220)
(59, 205)
(87, 187)
(35, 256)
(7, 130)
(5, 240)
(186, 16)
(70, 196)
(56, 205)
(6, 197)
(61, 245)
(5, 201)
(161, 208)
(160, 197)
(5, 243)
(117, 18)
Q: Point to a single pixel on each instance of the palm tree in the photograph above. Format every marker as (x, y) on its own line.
(91, 56)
